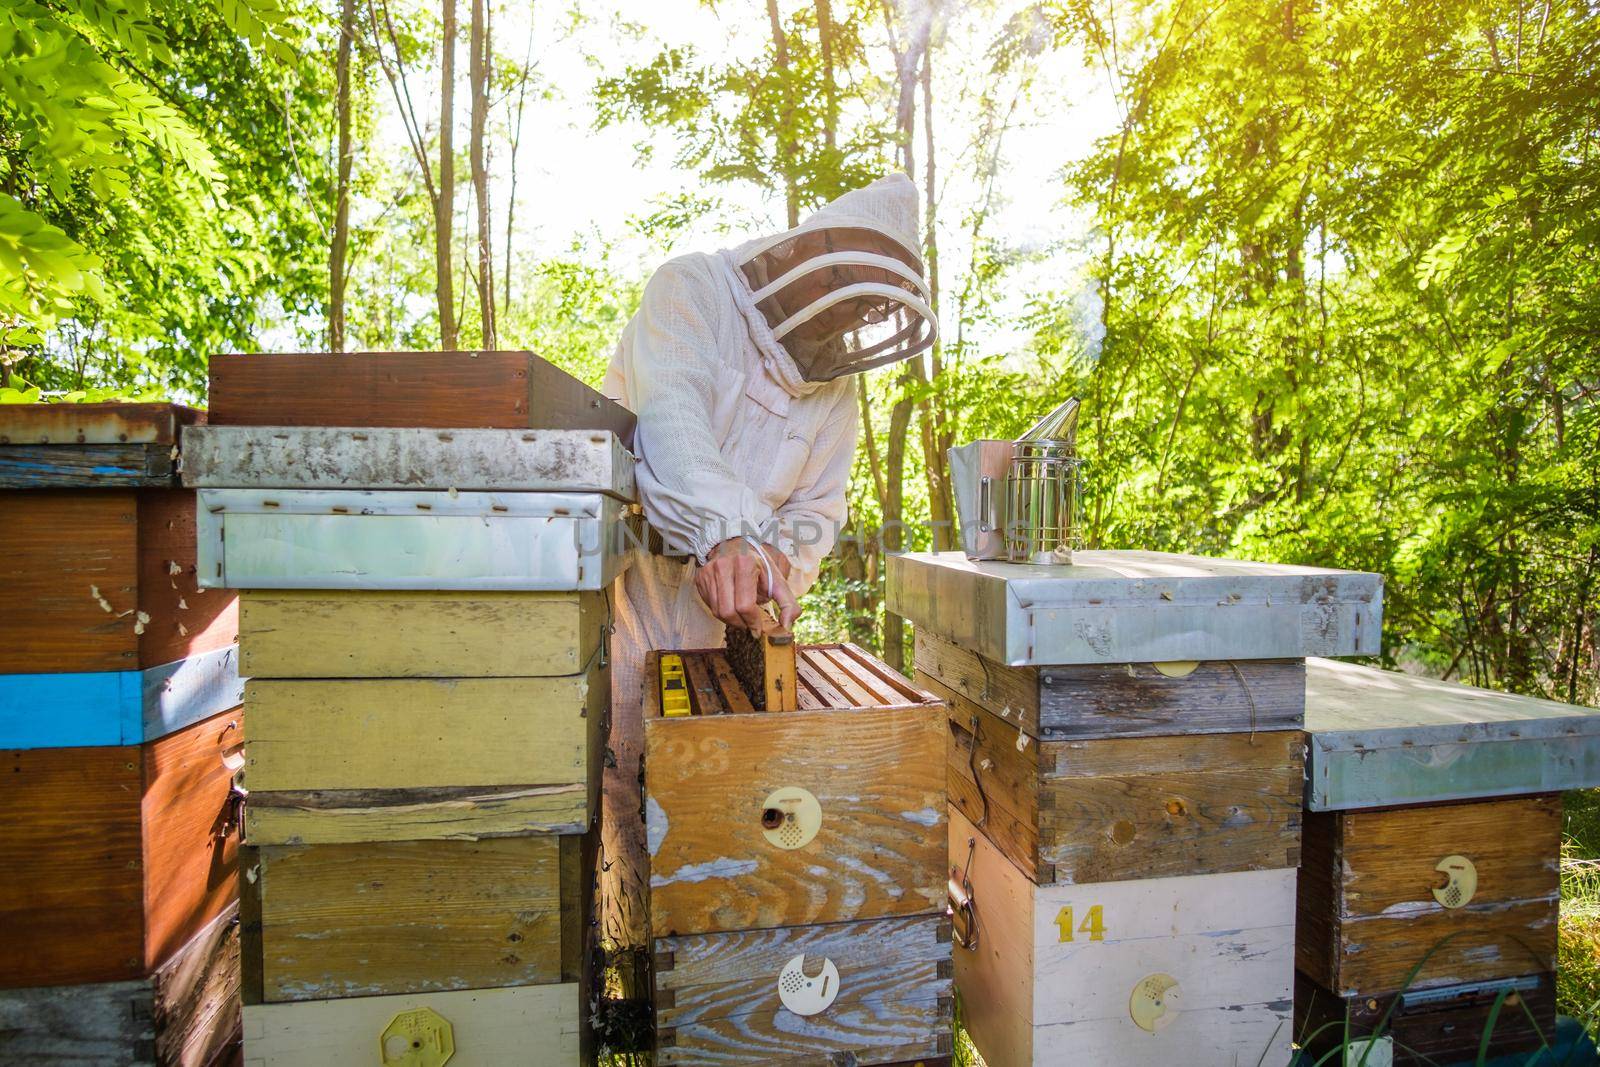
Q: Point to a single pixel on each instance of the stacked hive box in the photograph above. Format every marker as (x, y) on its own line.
(119, 721)
(1125, 772)
(424, 619)
(1429, 882)
(797, 867)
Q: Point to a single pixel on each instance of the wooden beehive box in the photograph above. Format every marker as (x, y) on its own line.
(1194, 969)
(490, 390)
(322, 922)
(485, 1027)
(91, 446)
(385, 716)
(185, 1014)
(114, 856)
(1439, 1025)
(104, 580)
(798, 846)
(1096, 807)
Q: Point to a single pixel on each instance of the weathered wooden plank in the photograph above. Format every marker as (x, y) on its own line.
(72, 899)
(1382, 738)
(489, 1027)
(77, 1025)
(1225, 941)
(326, 457)
(1369, 914)
(877, 851)
(196, 1003)
(412, 733)
(87, 466)
(349, 539)
(116, 707)
(407, 917)
(309, 633)
(110, 423)
(1137, 607)
(718, 1002)
(1443, 1025)
(185, 1015)
(180, 618)
(70, 572)
(348, 816)
(1065, 702)
(190, 842)
(490, 390)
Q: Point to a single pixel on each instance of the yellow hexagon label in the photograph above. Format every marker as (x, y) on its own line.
(420, 1037)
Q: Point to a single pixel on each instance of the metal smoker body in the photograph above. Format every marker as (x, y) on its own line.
(1019, 500)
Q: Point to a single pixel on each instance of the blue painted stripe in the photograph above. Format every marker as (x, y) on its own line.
(116, 707)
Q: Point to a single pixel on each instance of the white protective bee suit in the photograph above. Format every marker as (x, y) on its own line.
(733, 438)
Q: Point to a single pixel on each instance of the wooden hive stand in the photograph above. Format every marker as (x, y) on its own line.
(1125, 768)
(797, 863)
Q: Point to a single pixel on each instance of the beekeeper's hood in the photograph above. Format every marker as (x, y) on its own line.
(843, 291)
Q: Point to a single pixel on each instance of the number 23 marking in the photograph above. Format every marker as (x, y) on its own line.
(1093, 924)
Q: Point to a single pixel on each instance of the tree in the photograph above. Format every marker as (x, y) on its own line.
(478, 68)
(341, 197)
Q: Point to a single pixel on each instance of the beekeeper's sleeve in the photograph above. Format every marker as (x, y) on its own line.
(680, 387)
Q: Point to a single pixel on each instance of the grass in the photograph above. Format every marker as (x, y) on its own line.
(1578, 960)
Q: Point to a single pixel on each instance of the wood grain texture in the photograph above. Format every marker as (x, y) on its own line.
(348, 816)
(63, 547)
(184, 619)
(87, 466)
(406, 917)
(72, 898)
(95, 424)
(1127, 811)
(79, 1025)
(196, 1003)
(491, 1027)
(421, 732)
(1116, 808)
(1087, 701)
(487, 390)
(1368, 914)
(190, 845)
(1447, 1027)
(878, 776)
(1030, 995)
(294, 633)
(717, 994)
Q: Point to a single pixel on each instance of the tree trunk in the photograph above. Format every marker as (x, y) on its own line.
(830, 90)
(935, 434)
(478, 77)
(340, 247)
(444, 208)
(785, 131)
(516, 143)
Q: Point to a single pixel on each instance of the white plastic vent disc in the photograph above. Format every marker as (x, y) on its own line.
(807, 996)
(1154, 1003)
(1462, 882)
(790, 817)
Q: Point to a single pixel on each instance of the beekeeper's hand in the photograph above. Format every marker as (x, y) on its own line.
(734, 584)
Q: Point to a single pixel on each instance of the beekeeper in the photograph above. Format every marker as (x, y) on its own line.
(738, 366)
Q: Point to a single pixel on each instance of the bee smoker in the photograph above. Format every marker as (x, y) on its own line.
(1020, 500)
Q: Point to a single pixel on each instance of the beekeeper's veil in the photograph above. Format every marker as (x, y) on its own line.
(844, 291)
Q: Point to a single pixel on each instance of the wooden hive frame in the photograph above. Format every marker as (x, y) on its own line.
(830, 677)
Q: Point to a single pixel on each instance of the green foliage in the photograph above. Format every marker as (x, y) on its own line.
(1349, 292)
(151, 194)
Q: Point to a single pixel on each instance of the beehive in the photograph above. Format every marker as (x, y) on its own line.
(119, 730)
(798, 854)
(429, 693)
(1429, 888)
(1125, 773)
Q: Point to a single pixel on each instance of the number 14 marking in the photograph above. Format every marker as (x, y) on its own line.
(1093, 924)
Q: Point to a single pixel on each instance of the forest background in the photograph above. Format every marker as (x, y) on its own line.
(1324, 274)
